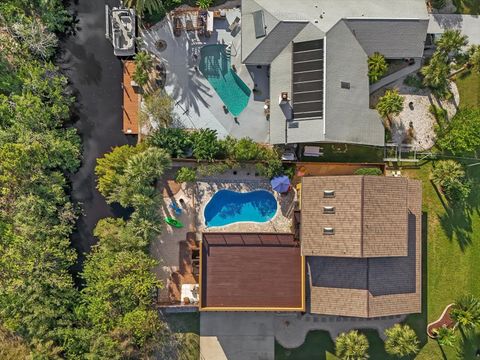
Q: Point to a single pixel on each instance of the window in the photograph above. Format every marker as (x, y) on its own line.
(329, 194)
(345, 85)
(329, 209)
(328, 231)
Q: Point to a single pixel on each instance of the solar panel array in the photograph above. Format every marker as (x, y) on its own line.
(307, 80)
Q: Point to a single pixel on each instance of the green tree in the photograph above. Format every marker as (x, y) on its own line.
(390, 104)
(270, 168)
(159, 109)
(466, 311)
(377, 67)
(245, 149)
(435, 74)
(368, 171)
(204, 4)
(451, 41)
(462, 135)
(447, 170)
(174, 140)
(143, 66)
(445, 336)
(474, 58)
(206, 145)
(351, 346)
(401, 341)
(141, 6)
(186, 174)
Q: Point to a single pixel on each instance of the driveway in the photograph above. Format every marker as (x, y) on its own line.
(95, 74)
(237, 336)
(468, 24)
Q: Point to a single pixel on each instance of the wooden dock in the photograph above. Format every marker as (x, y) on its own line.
(130, 100)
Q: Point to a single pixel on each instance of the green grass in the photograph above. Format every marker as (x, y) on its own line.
(471, 7)
(186, 326)
(346, 153)
(468, 84)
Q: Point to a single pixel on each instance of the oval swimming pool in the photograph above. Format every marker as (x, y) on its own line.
(215, 66)
(228, 207)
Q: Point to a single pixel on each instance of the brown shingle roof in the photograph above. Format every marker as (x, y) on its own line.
(251, 271)
(370, 217)
(372, 287)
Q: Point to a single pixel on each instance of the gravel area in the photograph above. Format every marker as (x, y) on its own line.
(415, 124)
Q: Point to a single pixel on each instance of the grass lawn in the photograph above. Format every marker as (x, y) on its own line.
(346, 153)
(187, 328)
(469, 87)
(471, 7)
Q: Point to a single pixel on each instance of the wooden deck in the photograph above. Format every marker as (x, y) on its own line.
(130, 100)
(249, 271)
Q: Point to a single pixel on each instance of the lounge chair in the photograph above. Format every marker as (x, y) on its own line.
(234, 24)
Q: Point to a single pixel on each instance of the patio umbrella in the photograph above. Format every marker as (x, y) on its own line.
(280, 184)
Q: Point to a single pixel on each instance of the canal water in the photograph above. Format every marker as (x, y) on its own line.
(95, 74)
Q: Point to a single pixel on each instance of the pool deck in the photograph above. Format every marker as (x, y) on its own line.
(197, 105)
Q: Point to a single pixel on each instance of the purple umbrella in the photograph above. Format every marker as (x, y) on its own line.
(280, 184)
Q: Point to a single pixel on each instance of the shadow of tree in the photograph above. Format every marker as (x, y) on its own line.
(457, 223)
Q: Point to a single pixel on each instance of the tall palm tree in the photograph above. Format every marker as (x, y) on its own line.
(447, 170)
(435, 74)
(451, 42)
(143, 65)
(466, 311)
(351, 346)
(445, 336)
(141, 5)
(377, 67)
(401, 341)
(390, 104)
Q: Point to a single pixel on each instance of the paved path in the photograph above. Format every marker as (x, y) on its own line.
(396, 75)
(468, 24)
(95, 74)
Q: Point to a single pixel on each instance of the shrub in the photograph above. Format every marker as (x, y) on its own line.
(450, 176)
(270, 168)
(377, 67)
(351, 346)
(245, 149)
(445, 336)
(401, 341)
(176, 141)
(186, 174)
(206, 145)
(368, 171)
(439, 114)
(462, 134)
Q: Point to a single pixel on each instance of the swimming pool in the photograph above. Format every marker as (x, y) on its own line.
(228, 207)
(215, 66)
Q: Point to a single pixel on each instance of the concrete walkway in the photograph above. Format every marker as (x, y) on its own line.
(468, 25)
(396, 75)
(252, 335)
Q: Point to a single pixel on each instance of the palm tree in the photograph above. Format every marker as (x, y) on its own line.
(447, 171)
(451, 41)
(445, 336)
(474, 58)
(377, 67)
(390, 104)
(351, 346)
(204, 4)
(466, 311)
(141, 5)
(143, 65)
(401, 341)
(435, 74)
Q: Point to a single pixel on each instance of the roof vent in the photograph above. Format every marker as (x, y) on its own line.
(328, 231)
(329, 209)
(345, 85)
(329, 193)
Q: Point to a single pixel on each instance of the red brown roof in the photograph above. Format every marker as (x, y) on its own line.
(251, 271)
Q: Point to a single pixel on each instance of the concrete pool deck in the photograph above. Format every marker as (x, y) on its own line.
(197, 105)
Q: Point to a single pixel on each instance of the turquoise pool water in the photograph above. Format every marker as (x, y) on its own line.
(215, 66)
(228, 207)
